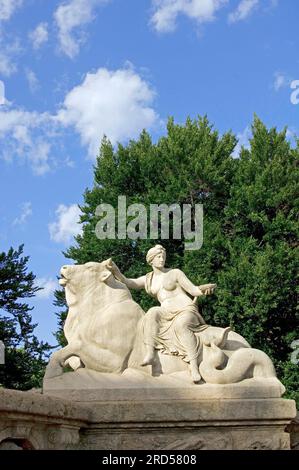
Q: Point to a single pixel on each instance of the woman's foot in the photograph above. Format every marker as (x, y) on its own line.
(149, 357)
(196, 377)
(148, 360)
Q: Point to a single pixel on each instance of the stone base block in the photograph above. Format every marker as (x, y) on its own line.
(33, 420)
(190, 424)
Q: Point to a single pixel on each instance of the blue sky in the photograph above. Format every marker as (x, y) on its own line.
(76, 69)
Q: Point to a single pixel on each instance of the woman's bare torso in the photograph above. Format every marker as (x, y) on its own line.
(166, 288)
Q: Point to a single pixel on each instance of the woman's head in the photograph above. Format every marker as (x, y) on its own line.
(156, 256)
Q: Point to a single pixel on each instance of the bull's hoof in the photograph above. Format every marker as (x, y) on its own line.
(74, 362)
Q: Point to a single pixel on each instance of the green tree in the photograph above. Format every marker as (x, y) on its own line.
(25, 356)
(259, 288)
(250, 244)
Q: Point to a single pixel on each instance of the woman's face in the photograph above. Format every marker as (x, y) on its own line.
(159, 260)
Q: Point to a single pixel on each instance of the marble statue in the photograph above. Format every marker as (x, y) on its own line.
(172, 325)
(217, 368)
(101, 324)
(107, 332)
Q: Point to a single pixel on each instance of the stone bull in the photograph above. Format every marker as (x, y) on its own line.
(101, 323)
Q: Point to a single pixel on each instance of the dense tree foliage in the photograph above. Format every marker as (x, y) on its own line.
(250, 244)
(25, 356)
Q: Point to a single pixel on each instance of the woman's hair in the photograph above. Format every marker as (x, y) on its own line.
(156, 250)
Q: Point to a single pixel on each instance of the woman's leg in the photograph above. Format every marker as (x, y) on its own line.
(151, 329)
(184, 324)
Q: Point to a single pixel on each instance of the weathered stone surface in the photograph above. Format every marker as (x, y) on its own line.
(293, 429)
(41, 405)
(32, 420)
(139, 385)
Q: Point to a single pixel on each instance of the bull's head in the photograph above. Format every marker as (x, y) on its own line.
(84, 275)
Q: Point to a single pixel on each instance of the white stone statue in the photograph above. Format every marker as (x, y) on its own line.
(101, 323)
(173, 325)
(107, 332)
(217, 367)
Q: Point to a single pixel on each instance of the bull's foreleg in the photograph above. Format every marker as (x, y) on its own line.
(57, 360)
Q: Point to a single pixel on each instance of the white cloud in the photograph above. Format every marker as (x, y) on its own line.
(2, 93)
(32, 80)
(243, 141)
(39, 35)
(243, 10)
(114, 103)
(26, 212)
(39, 159)
(7, 53)
(281, 80)
(69, 18)
(166, 12)
(67, 224)
(8, 7)
(48, 287)
(8, 49)
(25, 135)
(7, 67)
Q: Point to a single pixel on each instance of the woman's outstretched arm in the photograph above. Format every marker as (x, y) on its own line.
(189, 287)
(138, 283)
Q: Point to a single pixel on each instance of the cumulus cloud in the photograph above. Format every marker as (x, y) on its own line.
(26, 212)
(8, 49)
(25, 135)
(243, 10)
(39, 35)
(8, 7)
(67, 224)
(165, 12)
(115, 103)
(48, 286)
(69, 18)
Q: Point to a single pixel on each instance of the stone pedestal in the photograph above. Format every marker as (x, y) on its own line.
(136, 411)
(293, 429)
(33, 420)
(190, 425)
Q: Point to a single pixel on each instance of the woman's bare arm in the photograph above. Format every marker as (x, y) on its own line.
(138, 283)
(187, 285)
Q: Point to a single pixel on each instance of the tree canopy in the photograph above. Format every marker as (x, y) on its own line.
(25, 355)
